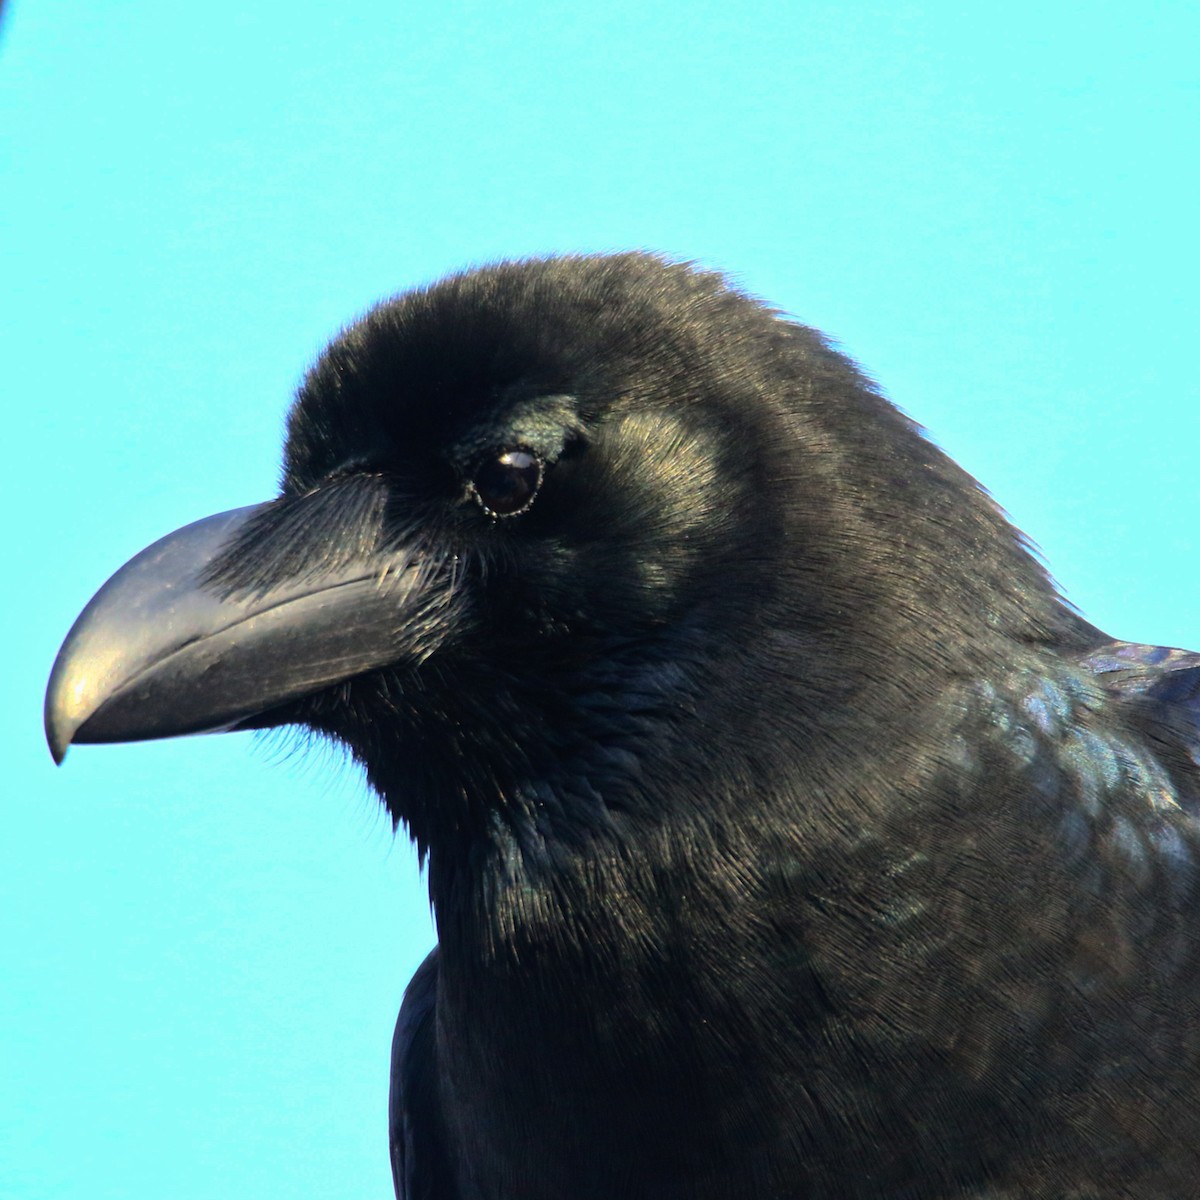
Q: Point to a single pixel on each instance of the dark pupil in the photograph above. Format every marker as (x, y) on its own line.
(507, 484)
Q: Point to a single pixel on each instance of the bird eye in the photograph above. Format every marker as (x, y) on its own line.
(506, 483)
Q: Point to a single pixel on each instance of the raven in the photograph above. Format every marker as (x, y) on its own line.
(788, 834)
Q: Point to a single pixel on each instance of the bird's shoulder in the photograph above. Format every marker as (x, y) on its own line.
(1106, 742)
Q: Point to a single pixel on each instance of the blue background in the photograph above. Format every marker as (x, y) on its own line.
(992, 207)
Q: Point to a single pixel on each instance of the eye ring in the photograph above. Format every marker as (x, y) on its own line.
(506, 482)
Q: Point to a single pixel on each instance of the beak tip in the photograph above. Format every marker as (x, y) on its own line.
(59, 730)
(109, 641)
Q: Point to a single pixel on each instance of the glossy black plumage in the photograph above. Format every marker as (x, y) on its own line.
(788, 835)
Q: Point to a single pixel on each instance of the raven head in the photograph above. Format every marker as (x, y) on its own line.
(539, 512)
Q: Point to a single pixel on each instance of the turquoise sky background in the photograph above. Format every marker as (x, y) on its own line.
(992, 207)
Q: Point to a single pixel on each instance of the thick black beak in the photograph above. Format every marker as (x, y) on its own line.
(161, 650)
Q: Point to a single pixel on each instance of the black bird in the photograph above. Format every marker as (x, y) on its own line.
(788, 834)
